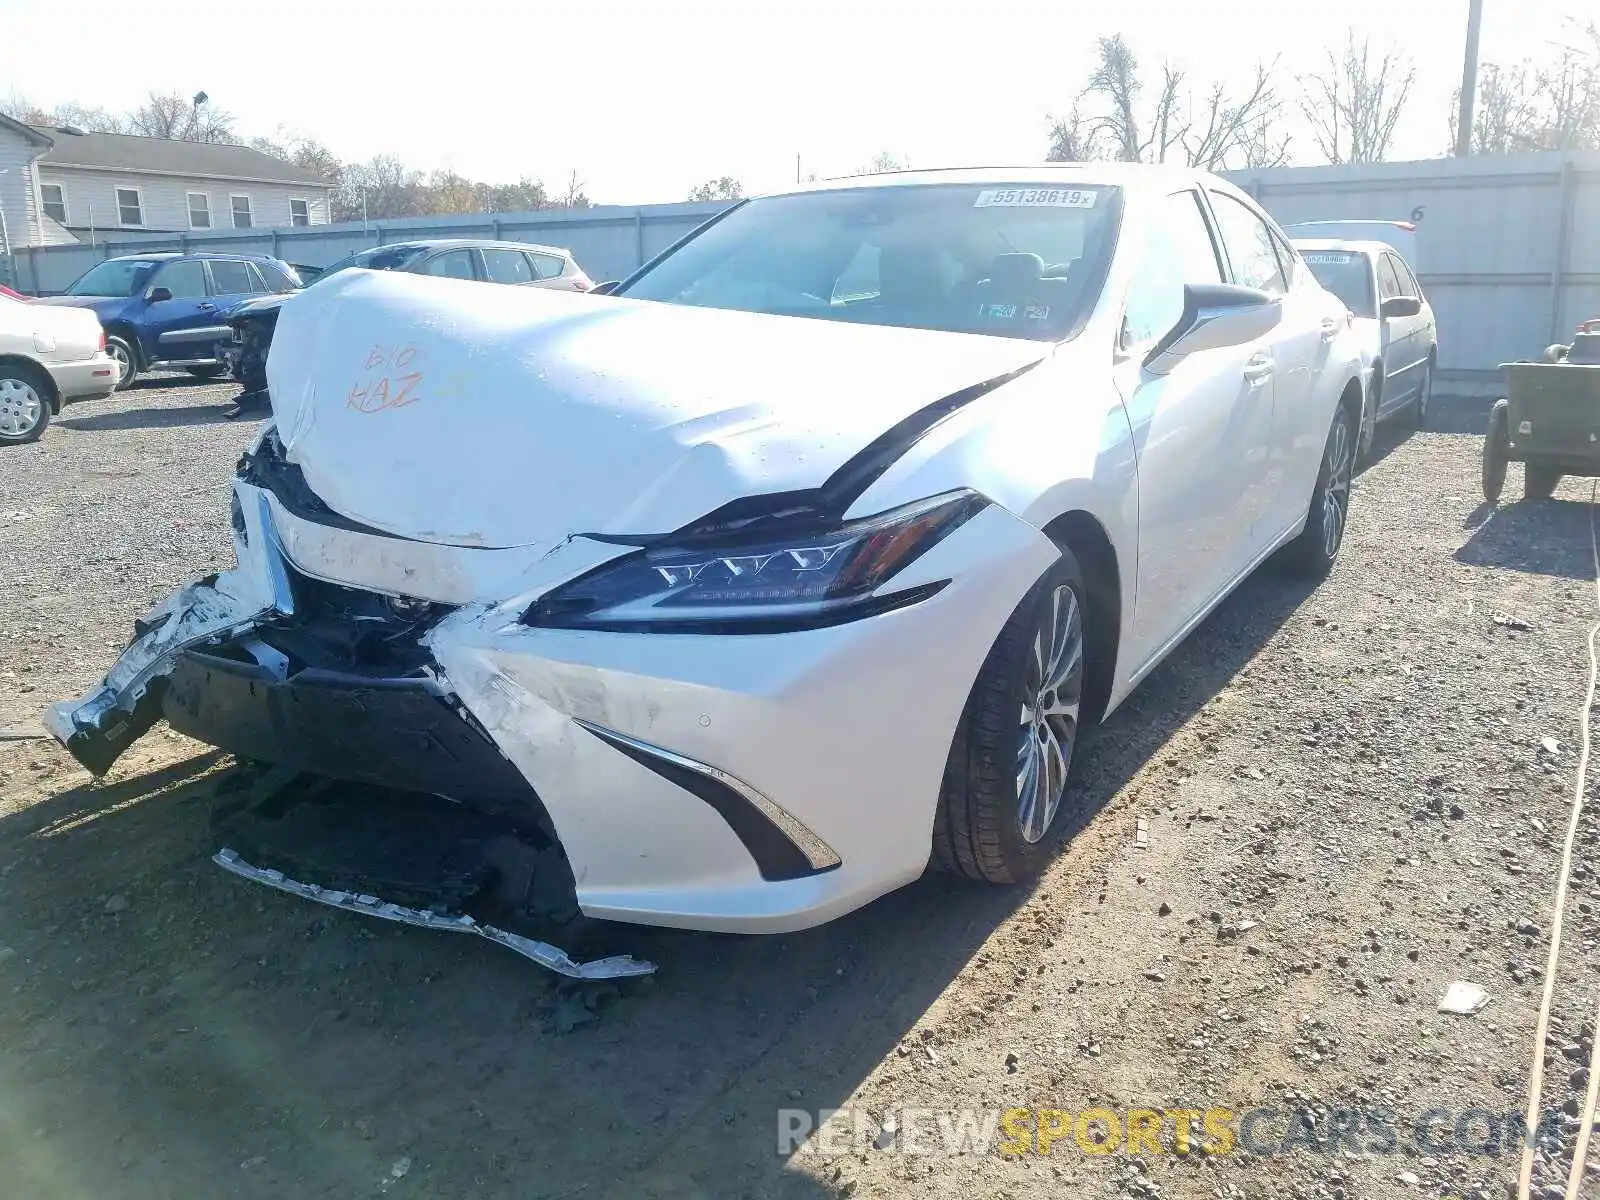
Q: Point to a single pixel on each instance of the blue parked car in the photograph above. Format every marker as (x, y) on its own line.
(166, 310)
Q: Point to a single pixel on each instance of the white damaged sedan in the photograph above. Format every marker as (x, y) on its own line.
(792, 567)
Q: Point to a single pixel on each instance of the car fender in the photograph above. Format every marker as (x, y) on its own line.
(1052, 442)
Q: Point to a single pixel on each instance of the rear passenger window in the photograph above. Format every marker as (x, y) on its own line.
(1249, 245)
(507, 266)
(232, 278)
(548, 265)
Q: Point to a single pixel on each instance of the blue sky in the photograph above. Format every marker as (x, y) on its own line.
(644, 100)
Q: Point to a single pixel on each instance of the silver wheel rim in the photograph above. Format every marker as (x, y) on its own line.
(1052, 693)
(120, 357)
(1336, 495)
(20, 408)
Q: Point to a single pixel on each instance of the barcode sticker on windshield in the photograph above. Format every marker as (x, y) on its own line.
(1327, 258)
(1035, 198)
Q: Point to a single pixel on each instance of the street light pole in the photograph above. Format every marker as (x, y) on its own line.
(1469, 80)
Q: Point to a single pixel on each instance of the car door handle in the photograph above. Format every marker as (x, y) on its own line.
(1330, 328)
(1258, 370)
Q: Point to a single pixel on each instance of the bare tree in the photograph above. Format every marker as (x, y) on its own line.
(1217, 128)
(1073, 138)
(177, 117)
(883, 162)
(725, 188)
(69, 115)
(1531, 106)
(574, 196)
(1354, 103)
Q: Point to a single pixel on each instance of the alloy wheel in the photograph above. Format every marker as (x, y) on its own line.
(119, 355)
(1052, 695)
(1336, 494)
(20, 408)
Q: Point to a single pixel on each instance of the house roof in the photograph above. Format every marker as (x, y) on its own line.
(167, 156)
(33, 135)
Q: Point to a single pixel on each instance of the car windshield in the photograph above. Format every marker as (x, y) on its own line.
(114, 277)
(1347, 274)
(1014, 260)
(379, 258)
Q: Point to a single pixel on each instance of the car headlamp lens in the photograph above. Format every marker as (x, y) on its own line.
(814, 574)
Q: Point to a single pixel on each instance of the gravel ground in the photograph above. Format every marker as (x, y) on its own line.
(1349, 800)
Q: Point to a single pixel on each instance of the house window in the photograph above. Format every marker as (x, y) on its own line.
(55, 202)
(199, 210)
(299, 212)
(241, 211)
(129, 209)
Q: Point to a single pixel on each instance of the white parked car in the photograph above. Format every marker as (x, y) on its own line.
(795, 565)
(48, 356)
(1393, 321)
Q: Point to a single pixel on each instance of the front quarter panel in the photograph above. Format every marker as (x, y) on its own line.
(1056, 440)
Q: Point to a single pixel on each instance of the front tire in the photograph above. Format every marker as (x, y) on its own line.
(1005, 782)
(120, 350)
(1314, 552)
(24, 405)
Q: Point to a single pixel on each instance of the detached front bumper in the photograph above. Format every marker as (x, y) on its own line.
(738, 782)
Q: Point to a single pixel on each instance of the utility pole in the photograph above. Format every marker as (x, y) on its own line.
(1469, 80)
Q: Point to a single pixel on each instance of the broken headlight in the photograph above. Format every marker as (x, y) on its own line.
(760, 582)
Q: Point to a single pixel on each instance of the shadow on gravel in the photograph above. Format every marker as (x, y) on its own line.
(1541, 537)
(1446, 414)
(173, 1023)
(147, 418)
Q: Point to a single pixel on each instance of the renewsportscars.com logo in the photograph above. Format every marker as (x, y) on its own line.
(1014, 1132)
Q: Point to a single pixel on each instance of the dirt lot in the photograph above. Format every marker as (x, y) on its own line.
(1359, 769)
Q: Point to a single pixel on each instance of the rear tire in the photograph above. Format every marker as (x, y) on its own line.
(1539, 481)
(1006, 782)
(1314, 552)
(1424, 396)
(24, 404)
(1496, 450)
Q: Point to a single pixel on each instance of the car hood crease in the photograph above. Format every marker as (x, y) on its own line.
(474, 415)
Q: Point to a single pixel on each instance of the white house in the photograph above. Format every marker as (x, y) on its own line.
(60, 184)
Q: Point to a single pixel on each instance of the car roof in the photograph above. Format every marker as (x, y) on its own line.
(1098, 174)
(166, 255)
(1354, 245)
(481, 243)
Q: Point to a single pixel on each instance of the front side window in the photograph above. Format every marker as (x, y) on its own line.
(1012, 261)
(114, 277)
(1345, 273)
(242, 216)
(199, 210)
(185, 279)
(1388, 281)
(299, 212)
(54, 199)
(130, 211)
(1249, 244)
(1178, 250)
(452, 264)
(507, 266)
(233, 278)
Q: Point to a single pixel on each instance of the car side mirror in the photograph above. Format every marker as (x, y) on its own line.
(1214, 315)
(158, 293)
(606, 288)
(1401, 306)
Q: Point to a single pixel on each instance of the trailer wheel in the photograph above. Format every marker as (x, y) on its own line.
(1539, 481)
(1496, 451)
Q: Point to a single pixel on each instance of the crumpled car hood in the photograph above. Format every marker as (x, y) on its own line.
(466, 414)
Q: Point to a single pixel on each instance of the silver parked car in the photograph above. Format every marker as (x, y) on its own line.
(1393, 319)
